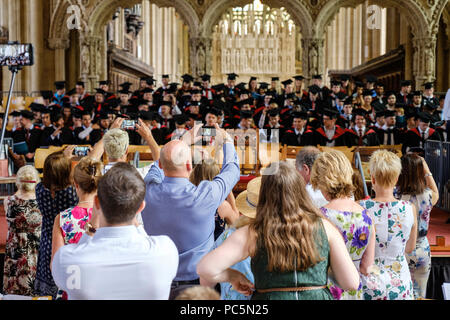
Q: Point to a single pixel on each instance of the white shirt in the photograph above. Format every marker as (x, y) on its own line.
(117, 263)
(316, 196)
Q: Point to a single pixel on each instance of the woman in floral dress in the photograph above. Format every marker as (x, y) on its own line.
(416, 184)
(70, 224)
(396, 232)
(24, 231)
(332, 174)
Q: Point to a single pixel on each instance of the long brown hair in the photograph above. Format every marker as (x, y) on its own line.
(411, 180)
(286, 221)
(57, 169)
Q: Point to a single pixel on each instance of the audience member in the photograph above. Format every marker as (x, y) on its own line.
(115, 258)
(184, 212)
(69, 225)
(227, 213)
(416, 184)
(246, 202)
(396, 232)
(332, 174)
(304, 162)
(54, 194)
(24, 232)
(290, 245)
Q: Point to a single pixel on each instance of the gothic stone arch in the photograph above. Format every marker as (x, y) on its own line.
(94, 15)
(298, 9)
(423, 16)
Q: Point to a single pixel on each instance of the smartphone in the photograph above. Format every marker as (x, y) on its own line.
(81, 151)
(209, 131)
(16, 55)
(128, 124)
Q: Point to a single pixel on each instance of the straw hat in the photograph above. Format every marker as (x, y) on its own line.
(247, 200)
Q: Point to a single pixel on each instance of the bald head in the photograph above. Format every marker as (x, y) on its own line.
(176, 159)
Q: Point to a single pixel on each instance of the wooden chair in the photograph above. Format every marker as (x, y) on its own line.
(290, 152)
(40, 156)
(346, 150)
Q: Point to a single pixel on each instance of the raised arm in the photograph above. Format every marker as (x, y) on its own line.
(98, 150)
(430, 183)
(215, 266)
(146, 134)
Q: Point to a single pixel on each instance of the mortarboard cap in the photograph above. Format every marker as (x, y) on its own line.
(206, 77)
(27, 114)
(417, 93)
(275, 78)
(125, 85)
(72, 92)
(424, 117)
(367, 93)
(380, 114)
(348, 101)
(263, 85)
(195, 91)
(36, 107)
(428, 85)
(274, 112)
(98, 90)
(341, 95)
(219, 87)
(359, 84)
(314, 89)
(104, 82)
(214, 111)
(180, 119)
(59, 85)
(287, 82)
(359, 112)
(253, 78)
(146, 115)
(330, 113)
(147, 90)
(104, 115)
(405, 83)
(299, 77)
(80, 83)
(344, 77)
(187, 78)
(300, 114)
(165, 76)
(15, 113)
(335, 83)
(47, 95)
(232, 76)
(245, 101)
(317, 76)
(389, 113)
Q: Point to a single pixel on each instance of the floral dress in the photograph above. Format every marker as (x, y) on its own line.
(389, 277)
(72, 222)
(50, 208)
(226, 290)
(22, 246)
(420, 258)
(355, 228)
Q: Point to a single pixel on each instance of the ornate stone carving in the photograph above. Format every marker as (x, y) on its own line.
(200, 55)
(4, 34)
(313, 56)
(424, 67)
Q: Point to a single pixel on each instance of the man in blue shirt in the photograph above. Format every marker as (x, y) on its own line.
(185, 212)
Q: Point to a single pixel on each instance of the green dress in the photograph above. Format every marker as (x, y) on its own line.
(312, 277)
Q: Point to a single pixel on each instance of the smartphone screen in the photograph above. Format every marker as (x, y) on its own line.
(16, 55)
(81, 151)
(128, 124)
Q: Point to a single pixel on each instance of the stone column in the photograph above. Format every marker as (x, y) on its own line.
(201, 55)
(424, 59)
(60, 46)
(91, 48)
(313, 57)
(37, 38)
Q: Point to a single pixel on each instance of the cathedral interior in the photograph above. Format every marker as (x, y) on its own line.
(124, 40)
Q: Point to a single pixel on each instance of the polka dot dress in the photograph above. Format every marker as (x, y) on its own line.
(50, 208)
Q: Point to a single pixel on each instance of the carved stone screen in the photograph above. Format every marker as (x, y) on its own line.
(254, 40)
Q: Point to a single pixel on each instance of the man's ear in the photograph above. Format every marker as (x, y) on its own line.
(141, 207)
(306, 170)
(189, 167)
(97, 203)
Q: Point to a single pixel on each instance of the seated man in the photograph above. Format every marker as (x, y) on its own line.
(360, 134)
(88, 133)
(300, 134)
(115, 259)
